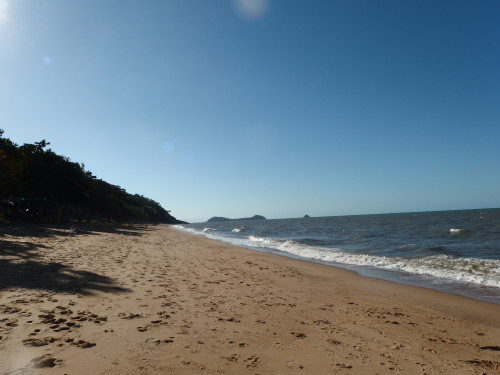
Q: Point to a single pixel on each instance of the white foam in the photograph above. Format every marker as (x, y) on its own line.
(470, 270)
(240, 229)
(485, 272)
(458, 230)
(189, 230)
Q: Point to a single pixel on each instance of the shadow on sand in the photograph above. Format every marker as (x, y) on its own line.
(22, 267)
(49, 230)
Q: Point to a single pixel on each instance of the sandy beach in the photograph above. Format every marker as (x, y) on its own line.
(154, 300)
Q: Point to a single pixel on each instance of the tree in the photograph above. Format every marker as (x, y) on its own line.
(44, 185)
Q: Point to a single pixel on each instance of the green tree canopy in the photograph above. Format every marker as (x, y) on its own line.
(38, 184)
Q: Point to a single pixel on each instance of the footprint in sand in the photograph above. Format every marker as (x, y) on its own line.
(44, 361)
(294, 365)
(232, 358)
(129, 316)
(83, 344)
(6, 309)
(39, 342)
(491, 347)
(334, 342)
(252, 361)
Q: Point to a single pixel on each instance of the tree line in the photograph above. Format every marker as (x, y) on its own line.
(37, 184)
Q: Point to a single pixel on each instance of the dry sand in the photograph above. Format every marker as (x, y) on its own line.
(159, 301)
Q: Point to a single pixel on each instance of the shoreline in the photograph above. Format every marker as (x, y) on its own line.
(158, 300)
(416, 293)
(467, 289)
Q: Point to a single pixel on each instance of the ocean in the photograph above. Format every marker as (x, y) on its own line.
(452, 251)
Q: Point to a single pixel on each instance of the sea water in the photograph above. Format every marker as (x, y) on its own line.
(452, 251)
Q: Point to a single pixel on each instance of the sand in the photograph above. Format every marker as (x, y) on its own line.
(154, 300)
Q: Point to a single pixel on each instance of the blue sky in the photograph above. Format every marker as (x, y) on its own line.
(273, 107)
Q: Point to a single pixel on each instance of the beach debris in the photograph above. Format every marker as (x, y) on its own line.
(78, 230)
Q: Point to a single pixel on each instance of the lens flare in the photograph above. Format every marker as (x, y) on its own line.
(252, 8)
(168, 146)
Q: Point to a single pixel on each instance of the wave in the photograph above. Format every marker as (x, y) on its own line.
(470, 270)
(459, 230)
(484, 272)
(240, 229)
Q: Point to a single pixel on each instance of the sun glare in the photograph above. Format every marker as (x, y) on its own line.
(4, 10)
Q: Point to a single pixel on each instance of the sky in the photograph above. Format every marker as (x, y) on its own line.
(274, 107)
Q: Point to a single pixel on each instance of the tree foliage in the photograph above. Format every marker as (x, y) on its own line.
(38, 184)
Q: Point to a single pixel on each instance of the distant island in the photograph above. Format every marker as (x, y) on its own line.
(218, 218)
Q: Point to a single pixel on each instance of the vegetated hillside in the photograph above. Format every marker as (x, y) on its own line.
(37, 184)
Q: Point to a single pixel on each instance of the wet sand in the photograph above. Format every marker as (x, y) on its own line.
(154, 300)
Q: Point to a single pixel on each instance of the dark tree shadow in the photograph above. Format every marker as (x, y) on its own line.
(21, 250)
(29, 230)
(53, 277)
(22, 267)
(49, 230)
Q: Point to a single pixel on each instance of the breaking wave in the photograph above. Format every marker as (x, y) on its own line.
(484, 272)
